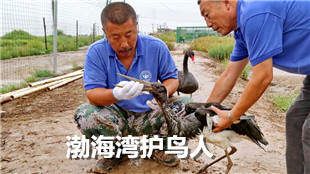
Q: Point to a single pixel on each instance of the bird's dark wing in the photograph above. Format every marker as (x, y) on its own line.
(250, 129)
(246, 127)
(187, 126)
(181, 79)
(188, 83)
(192, 106)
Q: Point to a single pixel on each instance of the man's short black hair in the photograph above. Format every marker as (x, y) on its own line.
(117, 13)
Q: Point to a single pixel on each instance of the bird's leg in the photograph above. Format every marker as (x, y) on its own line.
(203, 168)
(229, 165)
(191, 95)
(178, 93)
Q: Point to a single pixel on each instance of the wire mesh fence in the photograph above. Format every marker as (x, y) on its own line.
(27, 31)
(185, 34)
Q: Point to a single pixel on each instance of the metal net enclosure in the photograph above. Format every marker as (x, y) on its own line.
(187, 34)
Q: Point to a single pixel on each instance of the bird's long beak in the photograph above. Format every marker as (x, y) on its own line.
(193, 59)
(148, 86)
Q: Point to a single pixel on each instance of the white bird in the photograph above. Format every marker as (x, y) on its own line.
(246, 129)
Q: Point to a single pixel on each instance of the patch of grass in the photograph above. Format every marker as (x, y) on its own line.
(220, 51)
(31, 79)
(245, 72)
(19, 43)
(217, 47)
(76, 66)
(43, 73)
(35, 76)
(167, 37)
(8, 88)
(284, 101)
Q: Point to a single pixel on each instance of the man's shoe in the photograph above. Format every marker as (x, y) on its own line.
(106, 165)
(168, 160)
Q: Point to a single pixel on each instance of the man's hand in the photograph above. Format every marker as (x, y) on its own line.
(128, 91)
(224, 121)
(152, 104)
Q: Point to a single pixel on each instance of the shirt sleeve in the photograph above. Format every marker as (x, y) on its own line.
(94, 71)
(240, 51)
(167, 67)
(263, 36)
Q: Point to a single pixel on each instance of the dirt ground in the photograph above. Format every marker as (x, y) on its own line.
(34, 128)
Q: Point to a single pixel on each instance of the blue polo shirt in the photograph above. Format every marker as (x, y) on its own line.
(152, 62)
(277, 29)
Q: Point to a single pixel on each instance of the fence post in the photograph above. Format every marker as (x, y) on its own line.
(45, 33)
(54, 6)
(77, 33)
(94, 30)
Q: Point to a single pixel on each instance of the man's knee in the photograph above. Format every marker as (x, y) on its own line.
(95, 120)
(85, 111)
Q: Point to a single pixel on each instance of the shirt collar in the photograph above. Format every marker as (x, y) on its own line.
(139, 49)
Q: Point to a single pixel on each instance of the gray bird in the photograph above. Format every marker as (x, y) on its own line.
(187, 82)
(183, 126)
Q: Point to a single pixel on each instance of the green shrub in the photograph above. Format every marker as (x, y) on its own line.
(43, 73)
(170, 46)
(284, 101)
(220, 51)
(245, 72)
(216, 47)
(60, 33)
(18, 34)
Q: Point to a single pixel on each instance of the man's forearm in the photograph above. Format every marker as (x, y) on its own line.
(171, 85)
(262, 76)
(100, 96)
(253, 91)
(221, 89)
(227, 81)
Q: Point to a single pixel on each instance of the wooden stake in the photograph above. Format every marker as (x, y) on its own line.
(34, 89)
(76, 73)
(64, 82)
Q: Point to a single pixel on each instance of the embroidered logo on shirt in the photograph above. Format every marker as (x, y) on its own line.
(146, 75)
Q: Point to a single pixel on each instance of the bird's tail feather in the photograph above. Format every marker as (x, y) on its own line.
(251, 130)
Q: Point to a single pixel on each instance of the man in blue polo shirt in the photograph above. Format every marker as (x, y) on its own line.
(123, 110)
(267, 33)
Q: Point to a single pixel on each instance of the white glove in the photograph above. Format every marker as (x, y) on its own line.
(128, 91)
(152, 104)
